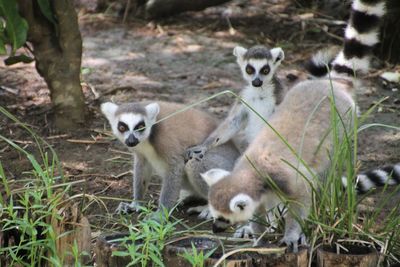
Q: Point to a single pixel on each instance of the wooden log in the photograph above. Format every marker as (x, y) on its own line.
(78, 231)
(268, 257)
(389, 48)
(105, 245)
(358, 256)
(172, 253)
(248, 257)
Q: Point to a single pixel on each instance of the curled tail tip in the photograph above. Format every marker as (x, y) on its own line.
(320, 63)
(315, 69)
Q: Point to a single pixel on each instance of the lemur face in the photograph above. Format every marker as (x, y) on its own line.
(131, 123)
(225, 207)
(258, 64)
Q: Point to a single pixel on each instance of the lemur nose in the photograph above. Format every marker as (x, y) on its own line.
(131, 141)
(256, 82)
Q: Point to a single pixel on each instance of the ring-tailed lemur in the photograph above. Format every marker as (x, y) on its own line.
(158, 148)
(304, 120)
(263, 93)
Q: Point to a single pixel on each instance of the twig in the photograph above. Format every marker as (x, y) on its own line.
(331, 34)
(22, 142)
(77, 141)
(325, 21)
(121, 174)
(57, 136)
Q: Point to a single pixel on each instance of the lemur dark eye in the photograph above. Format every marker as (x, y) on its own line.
(265, 70)
(140, 127)
(122, 127)
(249, 69)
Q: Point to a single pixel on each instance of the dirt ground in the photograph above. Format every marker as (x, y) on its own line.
(183, 59)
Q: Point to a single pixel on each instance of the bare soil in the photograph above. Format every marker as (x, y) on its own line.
(183, 59)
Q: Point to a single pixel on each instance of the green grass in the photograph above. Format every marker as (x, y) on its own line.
(196, 258)
(28, 206)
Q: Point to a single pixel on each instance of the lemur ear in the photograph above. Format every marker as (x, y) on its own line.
(239, 52)
(214, 175)
(152, 110)
(240, 202)
(108, 109)
(277, 55)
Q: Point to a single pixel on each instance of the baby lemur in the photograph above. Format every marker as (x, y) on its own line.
(304, 120)
(158, 148)
(263, 92)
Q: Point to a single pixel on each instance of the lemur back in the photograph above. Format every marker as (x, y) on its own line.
(304, 120)
(158, 147)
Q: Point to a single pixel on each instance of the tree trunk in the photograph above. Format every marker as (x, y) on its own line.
(163, 8)
(58, 51)
(390, 45)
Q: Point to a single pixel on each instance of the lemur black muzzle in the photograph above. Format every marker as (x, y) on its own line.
(257, 82)
(220, 225)
(131, 141)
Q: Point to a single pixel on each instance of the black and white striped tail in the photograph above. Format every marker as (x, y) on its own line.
(361, 35)
(366, 181)
(320, 63)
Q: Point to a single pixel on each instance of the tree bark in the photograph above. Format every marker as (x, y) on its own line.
(58, 52)
(390, 45)
(164, 8)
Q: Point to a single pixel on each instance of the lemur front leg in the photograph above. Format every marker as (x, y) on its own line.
(142, 172)
(223, 133)
(297, 211)
(171, 185)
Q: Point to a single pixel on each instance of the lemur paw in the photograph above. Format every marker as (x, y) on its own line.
(292, 241)
(244, 231)
(127, 208)
(195, 152)
(204, 212)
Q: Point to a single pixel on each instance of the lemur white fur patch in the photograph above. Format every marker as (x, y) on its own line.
(378, 9)
(357, 63)
(159, 166)
(108, 109)
(214, 175)
(240, 199)
(370, 38)
(396, 169)
(277, 52)
(242, 207)
(384, 177)
(263, 102)
(239, 51)
(152, 110)
(130, 119)
(365, 182)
